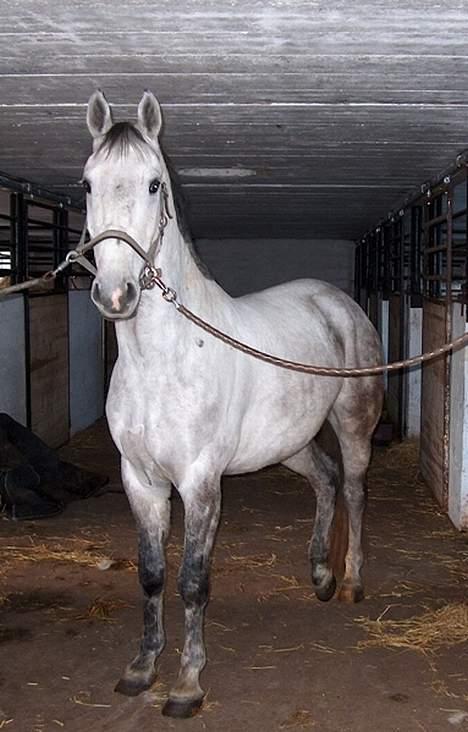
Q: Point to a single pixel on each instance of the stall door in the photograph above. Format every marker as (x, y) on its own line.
(48, 382)
(435, 392)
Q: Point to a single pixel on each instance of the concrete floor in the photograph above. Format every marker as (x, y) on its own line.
(278, 658)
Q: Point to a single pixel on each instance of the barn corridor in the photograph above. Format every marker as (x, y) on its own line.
(278, 658)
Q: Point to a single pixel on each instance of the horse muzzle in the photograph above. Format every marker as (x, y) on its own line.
(116, 303)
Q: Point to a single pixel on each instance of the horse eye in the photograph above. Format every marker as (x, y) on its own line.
(154, 185)
(86, 186)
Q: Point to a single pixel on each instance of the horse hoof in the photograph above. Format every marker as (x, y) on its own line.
(351, 594)
(133, 687)
(324, 594)
(182, 709)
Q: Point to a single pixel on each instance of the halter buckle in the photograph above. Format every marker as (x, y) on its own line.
(150, 277)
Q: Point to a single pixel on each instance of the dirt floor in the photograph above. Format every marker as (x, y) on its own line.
(278, 658)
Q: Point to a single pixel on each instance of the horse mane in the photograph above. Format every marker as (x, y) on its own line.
(124, 136)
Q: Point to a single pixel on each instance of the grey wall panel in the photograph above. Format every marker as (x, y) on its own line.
(243, 265)
(86, 362)
(12, 358)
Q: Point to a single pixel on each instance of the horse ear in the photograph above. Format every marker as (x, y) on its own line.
(149, 115)
(99, 116)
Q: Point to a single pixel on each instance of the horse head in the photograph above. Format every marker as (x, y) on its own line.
(125, 179)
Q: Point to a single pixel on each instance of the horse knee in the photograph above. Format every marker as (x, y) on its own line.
(151, 567)
(152, 580)
(194, 585)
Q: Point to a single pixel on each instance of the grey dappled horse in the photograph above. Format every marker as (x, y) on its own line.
(184, 408)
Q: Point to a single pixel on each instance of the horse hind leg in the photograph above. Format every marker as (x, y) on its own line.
(354, 423)
(322, 473)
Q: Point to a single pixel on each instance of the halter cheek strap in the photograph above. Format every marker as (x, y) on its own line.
(149, 275)
(163, 221)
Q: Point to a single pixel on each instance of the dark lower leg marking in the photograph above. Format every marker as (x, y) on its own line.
(141, 672)
(356, 453)
(352, 589)
(201, 522)
(321, 472)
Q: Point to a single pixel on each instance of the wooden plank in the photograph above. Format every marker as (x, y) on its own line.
(48, 324)
(329, 70)
(433, 404)
(245, 88)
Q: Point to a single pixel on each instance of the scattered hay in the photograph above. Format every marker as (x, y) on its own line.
(71, 550)
(248, 561)
(403, 454)
(322, 648)
(426, 633)
(88, 554)
(302, 719)
(406, 588)
(102, 609)
(456, 565)
(83, 698)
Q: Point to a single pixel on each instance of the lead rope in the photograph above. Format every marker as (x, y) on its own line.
(152, 277)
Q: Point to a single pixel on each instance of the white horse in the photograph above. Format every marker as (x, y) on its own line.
(184, 408)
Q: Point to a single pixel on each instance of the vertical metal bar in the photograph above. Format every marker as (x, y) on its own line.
(357, 273)
(465, 284)
(448, 337)
(13, 240)
(20, 237)
(27, 357)
(402, 325)
(56, 236)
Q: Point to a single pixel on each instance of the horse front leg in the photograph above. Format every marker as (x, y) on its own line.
(151, 508)
(202, 508)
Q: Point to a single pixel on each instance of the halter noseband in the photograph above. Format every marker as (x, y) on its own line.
(150, 276)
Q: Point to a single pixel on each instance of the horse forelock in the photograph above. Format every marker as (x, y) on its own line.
(121, 138)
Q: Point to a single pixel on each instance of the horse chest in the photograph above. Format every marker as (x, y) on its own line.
(162, 418)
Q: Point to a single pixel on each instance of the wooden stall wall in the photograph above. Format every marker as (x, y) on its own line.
(433, 446)
(49, 372)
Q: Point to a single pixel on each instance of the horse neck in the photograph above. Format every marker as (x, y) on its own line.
(178, 267)
(179, 271)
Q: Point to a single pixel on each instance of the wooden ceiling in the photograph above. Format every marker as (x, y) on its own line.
(288, 118)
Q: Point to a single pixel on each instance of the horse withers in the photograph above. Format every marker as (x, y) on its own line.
(184, 410)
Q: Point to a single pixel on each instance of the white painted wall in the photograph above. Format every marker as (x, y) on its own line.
(246, 265)
(86, 361)
(383, 332)
(12, 358)
(413, 376)
(458, 475)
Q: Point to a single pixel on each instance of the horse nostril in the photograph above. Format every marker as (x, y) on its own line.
(131, 292)
(95, 293)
